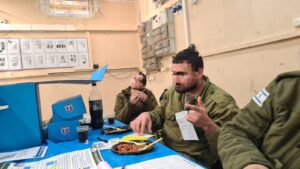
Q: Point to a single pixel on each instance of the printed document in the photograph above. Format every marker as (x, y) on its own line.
(34, 152)
(187, 129)
(168, 162)
(87, 158)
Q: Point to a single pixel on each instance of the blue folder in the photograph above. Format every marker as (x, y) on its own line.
(20, 120)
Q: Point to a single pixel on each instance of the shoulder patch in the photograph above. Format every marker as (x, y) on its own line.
(261, 97)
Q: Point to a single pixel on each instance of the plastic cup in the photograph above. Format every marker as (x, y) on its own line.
(83, 133)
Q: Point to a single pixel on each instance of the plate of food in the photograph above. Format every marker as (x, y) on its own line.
(132, 147)
(116, 129)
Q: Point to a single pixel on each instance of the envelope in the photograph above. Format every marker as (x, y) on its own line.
(62, 131)
(68, 109)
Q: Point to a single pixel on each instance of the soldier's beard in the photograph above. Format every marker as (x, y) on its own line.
(182, 90)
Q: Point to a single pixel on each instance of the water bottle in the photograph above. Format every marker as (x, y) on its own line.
(96, 107)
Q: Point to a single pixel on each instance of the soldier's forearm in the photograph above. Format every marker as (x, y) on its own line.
(210, 129)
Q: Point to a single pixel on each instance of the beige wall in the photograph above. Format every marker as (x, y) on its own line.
(245, 44)
(112, 38)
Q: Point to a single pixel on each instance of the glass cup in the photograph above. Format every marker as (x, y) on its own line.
(83, 133)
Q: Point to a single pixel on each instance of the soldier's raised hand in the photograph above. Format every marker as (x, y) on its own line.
(198, 117)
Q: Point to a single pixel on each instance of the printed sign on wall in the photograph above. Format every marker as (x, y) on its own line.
(39, 53)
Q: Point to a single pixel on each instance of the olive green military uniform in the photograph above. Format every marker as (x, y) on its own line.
(125, 111)
(267, 130)
(220, 106)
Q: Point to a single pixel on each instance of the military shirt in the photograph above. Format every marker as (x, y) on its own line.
(220, 106)
(125, 111)
(267, 130)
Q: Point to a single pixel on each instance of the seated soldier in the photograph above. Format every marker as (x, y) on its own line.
(134, 100)
(209, 107)
(265, 134)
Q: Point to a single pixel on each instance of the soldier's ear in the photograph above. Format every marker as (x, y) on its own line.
(200, 71)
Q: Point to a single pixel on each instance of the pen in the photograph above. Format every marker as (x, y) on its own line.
(99, 138)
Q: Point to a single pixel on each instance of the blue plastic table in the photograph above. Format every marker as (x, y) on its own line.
(115, 160)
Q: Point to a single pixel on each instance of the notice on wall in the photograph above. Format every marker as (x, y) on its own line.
(10, 57)
(3, 62)
(40, 53)
(28, 61)
(3, 46)
(49, 45)
(13, 46)
(26, 45)
(73, 59)
(82, 45)
(38, 46)
(51, 60)
(72, 45)
(39, 60)
(15, 62)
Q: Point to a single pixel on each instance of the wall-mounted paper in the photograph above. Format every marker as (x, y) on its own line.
(83, 59)
(3, 46)
(31, 53)
(63, 59)
(26, 45)
(37, 45)
(13, 46)
(3, 62)
(61, 45)
(51, 60)
(39, 60)
(14, 61)
(28, 61)
(49, 45)
(82, 45)
(72, 45)
(73, 59)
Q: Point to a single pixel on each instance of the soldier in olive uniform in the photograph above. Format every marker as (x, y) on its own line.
(134, 100)
(209, 108)
(265, 134)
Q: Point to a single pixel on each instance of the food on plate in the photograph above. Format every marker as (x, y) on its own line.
(129, 148)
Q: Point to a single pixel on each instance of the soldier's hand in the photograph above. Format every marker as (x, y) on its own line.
(142, 122)
(142, 96)
(134, 97)
(198, 117)
(255, 166)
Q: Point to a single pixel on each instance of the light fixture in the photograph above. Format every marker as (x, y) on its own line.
(69, 8)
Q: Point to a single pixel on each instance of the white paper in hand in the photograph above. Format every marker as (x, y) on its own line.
(187, 129)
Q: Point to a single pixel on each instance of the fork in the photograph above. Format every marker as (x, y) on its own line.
(149, 145)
